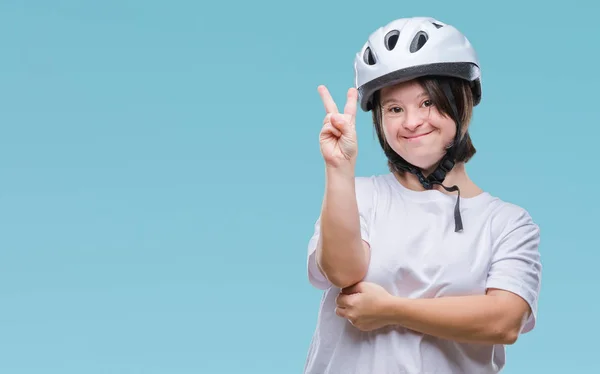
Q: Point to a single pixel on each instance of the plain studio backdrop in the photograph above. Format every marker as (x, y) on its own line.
(161, 174)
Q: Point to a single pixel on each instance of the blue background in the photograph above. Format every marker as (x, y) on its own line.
(160, 174)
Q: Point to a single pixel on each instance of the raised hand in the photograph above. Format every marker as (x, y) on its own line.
(338, 134)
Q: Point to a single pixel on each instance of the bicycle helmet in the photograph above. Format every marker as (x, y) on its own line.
(409, 48)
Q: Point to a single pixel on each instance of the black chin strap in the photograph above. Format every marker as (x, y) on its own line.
(428, 184)
(436, 178)
(446, 164)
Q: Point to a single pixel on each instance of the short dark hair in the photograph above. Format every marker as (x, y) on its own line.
(463, 96)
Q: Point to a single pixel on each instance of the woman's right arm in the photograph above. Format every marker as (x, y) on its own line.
(342, 255)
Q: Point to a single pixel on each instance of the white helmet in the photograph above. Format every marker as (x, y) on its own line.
(408, 48)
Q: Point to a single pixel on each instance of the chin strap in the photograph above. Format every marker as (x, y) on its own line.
(446, 164)
(436, 178)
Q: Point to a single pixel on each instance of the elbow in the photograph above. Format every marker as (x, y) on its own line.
(512, 325)
(511, 336)
(507, 334)
(342, 279)
(344, 272)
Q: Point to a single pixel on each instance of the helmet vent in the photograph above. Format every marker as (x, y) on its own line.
(368, 57)
(391, 38)
(418, 41)
(437, 25)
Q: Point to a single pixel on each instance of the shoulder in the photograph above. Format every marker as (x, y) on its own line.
(372, 183)
(372, 187)
(508, 219)
(507, 213)
(372, 191)
(365, 189)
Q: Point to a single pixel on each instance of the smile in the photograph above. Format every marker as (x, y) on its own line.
(411, 138)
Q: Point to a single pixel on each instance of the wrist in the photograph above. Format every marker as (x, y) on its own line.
(343, 172)
(392, 310)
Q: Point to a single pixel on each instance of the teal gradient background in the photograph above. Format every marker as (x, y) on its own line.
(161, 174)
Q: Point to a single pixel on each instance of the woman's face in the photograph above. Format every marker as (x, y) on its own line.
(412, 125)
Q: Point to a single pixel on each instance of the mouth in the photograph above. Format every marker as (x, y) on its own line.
(417, 137)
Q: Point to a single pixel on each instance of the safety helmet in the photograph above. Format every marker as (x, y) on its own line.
(409, 48)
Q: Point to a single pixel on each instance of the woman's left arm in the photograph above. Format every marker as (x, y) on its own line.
(494, 318)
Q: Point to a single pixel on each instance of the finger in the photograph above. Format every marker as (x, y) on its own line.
(330, 106)
(329, 129)
(345, 301)
(351, 100)
(352, 289)
(338, 121)
(341, 312)
(340, 300)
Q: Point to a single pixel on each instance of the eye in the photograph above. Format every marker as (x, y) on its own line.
(396, 109)
(427, 103)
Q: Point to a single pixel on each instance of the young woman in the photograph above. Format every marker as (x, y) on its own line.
(422, 271)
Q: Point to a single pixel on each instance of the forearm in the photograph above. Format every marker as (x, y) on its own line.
(341, 254)
(471, 319)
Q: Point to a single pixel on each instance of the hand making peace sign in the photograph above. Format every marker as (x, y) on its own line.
(338, 135)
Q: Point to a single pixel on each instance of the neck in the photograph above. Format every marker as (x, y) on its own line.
(457, 176)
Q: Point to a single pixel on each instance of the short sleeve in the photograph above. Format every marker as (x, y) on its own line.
(516, 265)
(364, 199)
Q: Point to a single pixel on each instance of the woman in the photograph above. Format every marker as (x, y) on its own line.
(422, 271)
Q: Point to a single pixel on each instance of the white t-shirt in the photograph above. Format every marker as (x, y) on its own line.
(416, 253)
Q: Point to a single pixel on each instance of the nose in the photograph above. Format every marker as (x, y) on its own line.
(413, 120)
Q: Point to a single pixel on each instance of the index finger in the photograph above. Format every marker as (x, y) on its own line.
(330, 106)
(340, 300)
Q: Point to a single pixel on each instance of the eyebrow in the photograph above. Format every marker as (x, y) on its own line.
(387, 101)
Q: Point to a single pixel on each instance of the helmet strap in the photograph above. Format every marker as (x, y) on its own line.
(446, 164)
